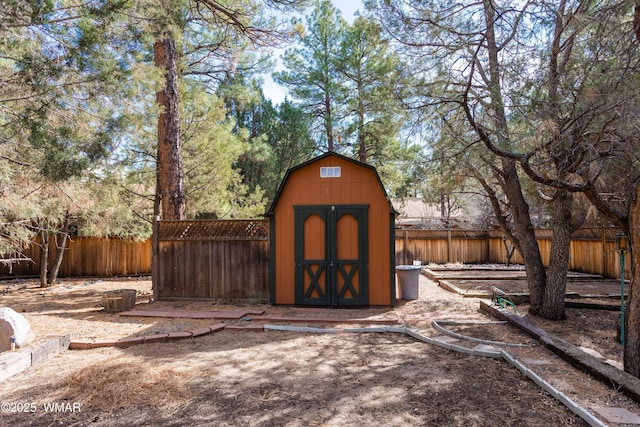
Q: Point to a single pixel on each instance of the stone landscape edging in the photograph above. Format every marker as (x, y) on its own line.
(14, 362)
(608, 374)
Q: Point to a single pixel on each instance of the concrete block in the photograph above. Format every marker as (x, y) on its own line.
(65, 342)
(14, 362)
(44, 350)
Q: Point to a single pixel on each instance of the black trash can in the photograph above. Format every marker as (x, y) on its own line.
(408, 280)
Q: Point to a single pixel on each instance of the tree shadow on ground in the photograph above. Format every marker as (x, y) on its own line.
(284, 378)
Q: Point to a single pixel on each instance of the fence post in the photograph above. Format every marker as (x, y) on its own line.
(449, 245)
(154, 258)
(487, 246)
(604, 252)
(405, 254)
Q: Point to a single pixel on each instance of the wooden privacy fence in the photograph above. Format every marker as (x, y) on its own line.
(226, 259)
(229, 259)
(87, 257)
(592, 250)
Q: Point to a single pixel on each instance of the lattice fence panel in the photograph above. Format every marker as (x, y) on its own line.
(214, 230)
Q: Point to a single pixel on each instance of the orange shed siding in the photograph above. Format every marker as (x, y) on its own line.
(357, 185)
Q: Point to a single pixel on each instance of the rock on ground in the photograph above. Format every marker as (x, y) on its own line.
(13, 324)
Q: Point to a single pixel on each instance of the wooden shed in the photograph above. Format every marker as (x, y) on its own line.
(332, 236)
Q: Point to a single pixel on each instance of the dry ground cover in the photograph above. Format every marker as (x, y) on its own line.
(289, 378)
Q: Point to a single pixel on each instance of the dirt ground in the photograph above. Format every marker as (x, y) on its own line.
(279, 378)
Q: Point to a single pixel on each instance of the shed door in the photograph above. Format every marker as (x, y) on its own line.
(331, 255)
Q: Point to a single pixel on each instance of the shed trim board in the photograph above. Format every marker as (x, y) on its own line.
(331, 225)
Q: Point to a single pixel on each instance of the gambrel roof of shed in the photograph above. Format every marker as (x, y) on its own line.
(318, 158)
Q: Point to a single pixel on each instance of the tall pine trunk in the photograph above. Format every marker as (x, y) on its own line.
(170, 175)
(328, 123)
(632, 312)
(362, 147)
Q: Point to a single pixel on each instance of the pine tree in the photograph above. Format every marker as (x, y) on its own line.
(371, 73)
(312, 71)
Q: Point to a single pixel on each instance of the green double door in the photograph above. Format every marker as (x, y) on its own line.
(331, 255)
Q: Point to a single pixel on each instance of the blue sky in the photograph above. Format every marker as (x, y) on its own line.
(275, 92)
(348, 8)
